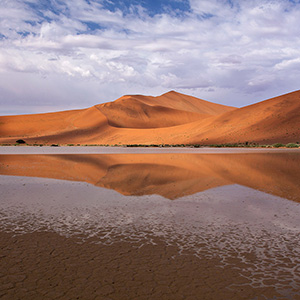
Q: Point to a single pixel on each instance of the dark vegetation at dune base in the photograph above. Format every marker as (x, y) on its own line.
(20, 142)
(226, 145)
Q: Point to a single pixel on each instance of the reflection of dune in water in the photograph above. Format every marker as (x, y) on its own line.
(169, 175)
(256, 233)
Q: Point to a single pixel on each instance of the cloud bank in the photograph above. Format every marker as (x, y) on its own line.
(66, 54)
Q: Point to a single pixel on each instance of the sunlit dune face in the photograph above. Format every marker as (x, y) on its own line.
(170, 109)
(169, 175)
(171, 118)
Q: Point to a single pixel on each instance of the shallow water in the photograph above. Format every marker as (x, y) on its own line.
(134, 150)
(222, 224)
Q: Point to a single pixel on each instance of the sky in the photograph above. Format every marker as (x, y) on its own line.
(57, 55)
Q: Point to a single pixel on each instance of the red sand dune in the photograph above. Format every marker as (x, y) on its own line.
(167, 110)
(171, 118)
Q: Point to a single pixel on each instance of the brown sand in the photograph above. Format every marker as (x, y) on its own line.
(97, 124)
(169, 175)
(167, 110)
(48, 266)
(172, 118)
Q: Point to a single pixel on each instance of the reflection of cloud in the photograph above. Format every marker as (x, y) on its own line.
(152, 49)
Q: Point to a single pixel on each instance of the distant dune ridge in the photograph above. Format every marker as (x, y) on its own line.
(171, 118)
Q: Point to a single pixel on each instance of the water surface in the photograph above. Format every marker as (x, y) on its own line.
(168, 225)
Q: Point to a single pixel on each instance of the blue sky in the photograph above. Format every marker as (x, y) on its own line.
(57, 55)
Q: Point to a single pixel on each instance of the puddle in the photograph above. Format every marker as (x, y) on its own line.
(210, 207)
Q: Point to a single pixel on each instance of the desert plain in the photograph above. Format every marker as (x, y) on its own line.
(152, 223)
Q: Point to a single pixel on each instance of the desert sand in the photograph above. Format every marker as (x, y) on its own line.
(171, 118)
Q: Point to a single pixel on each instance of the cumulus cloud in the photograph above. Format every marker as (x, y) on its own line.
(233, 52)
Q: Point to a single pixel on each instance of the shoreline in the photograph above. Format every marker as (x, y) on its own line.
(143, 150)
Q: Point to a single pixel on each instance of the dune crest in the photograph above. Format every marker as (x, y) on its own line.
(170, 109)
(171, 118)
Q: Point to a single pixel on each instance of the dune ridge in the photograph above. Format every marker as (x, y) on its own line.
(171, 118)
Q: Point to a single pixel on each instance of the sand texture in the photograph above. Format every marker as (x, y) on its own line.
(48, 266)
(171, 118)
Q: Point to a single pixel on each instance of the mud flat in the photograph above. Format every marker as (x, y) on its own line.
(94, 239)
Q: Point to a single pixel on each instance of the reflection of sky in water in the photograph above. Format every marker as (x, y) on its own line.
(234, 223)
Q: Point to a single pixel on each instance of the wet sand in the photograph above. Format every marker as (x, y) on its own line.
(49, 266)
(73, 240)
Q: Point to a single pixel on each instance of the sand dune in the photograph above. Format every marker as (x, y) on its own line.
(170, 109)
(52, 124)
(169, 175)
(273, 120)
(171, 118)
(131, 113)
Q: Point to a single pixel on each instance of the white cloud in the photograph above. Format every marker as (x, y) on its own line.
(239, 51)
(288, 64)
